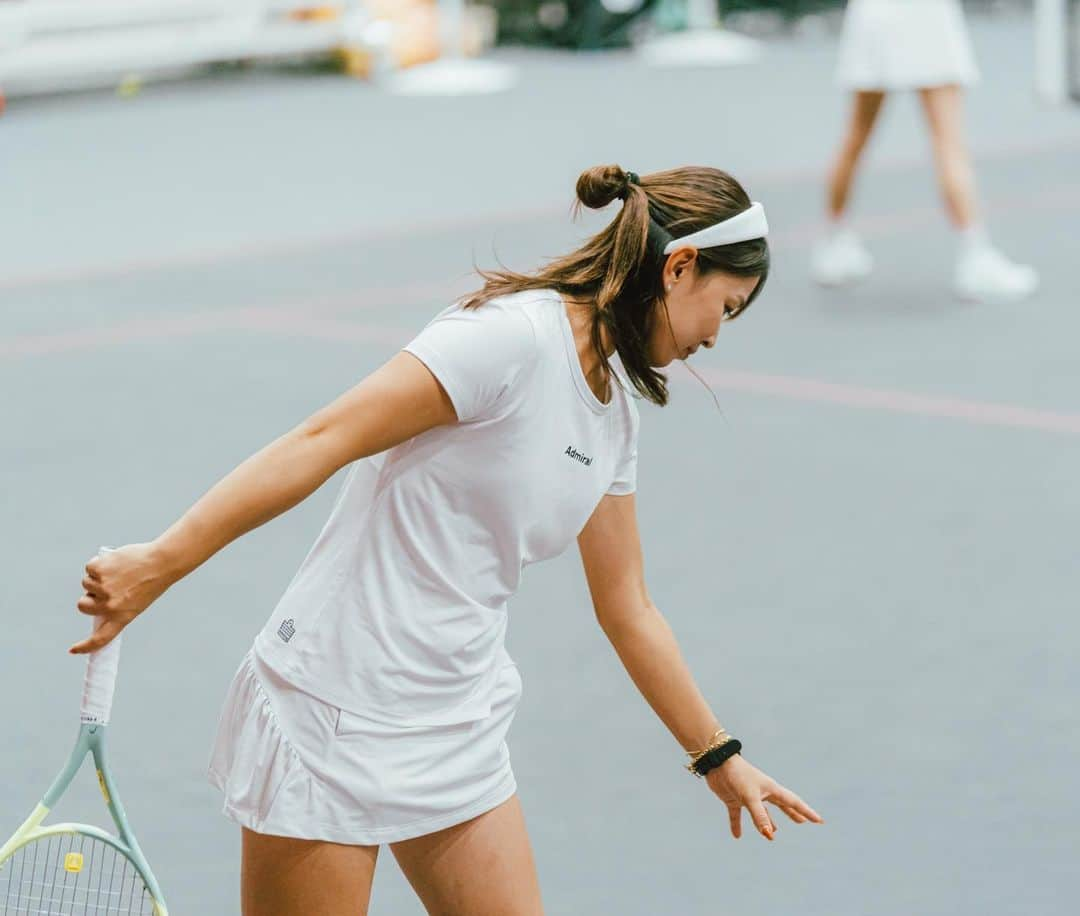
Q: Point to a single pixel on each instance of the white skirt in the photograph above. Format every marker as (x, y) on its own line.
(905, 44)
(291, 765)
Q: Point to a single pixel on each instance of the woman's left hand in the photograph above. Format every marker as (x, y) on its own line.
(740, 785)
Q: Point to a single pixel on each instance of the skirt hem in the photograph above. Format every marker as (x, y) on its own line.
(369, 836)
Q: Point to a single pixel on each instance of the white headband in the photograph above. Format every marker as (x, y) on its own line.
(750, 224)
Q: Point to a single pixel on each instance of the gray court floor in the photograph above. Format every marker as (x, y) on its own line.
(870, 556)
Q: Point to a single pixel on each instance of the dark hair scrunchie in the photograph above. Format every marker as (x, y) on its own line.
(631, 179)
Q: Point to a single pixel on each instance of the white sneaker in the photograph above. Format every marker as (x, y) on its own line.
(986, 275)
(840, 258)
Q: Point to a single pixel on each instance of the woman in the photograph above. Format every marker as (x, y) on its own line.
(373, 707)
(921, 45)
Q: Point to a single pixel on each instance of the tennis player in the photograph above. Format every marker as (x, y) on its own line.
(921, 46)
(374, 705)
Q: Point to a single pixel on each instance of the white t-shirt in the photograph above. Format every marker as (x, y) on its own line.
(398, 613)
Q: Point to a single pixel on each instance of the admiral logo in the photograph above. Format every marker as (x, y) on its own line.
(286, 630)
(577, 456)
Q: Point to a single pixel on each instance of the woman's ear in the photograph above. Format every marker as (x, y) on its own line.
(680, 264)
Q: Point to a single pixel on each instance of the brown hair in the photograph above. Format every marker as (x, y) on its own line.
(619, 271)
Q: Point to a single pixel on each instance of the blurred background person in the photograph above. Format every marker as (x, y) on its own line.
(922, 45)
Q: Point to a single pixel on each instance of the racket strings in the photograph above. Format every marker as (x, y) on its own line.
(40, 879)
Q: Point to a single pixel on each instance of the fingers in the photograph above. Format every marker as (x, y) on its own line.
(91, 604)
(95, 602)
(94, 587)
(95, 595)
(760, 816)
(762, 821)
(102, 636)
(753, 792)
(793, 814)
(735, 819)
(790, 803)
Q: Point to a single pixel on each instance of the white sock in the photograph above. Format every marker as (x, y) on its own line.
(836, 227)
(973, 238)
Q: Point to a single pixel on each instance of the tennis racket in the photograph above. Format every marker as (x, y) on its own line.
(77, 869)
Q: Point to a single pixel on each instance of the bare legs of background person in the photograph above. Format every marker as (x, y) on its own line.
(982, 272)
(483, 867)
(840, 257)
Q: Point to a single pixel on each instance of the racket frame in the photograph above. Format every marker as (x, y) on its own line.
(91, 741)
(98, 687)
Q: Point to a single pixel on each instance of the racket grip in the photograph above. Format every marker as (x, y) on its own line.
(100, 681)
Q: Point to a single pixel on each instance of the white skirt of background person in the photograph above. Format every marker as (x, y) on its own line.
(375, 703)
(905, 44)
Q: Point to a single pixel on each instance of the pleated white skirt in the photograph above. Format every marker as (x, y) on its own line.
(905, 44)
(291, 765)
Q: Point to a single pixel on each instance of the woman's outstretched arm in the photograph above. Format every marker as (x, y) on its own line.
(398, 401)
(611, 553)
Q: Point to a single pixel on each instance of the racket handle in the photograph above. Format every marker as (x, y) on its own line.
(100, 681)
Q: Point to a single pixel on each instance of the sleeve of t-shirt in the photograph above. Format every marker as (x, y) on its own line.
(625, 480)
(476, 354)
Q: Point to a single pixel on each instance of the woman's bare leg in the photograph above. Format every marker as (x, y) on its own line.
(281, 876)
(943, 107)
(982, 272)
(483, 867)
(866, 106)
(840, 257)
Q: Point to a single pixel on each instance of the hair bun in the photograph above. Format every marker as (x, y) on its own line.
(597, 187)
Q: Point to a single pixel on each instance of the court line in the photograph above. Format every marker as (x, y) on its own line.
(783, 386)
(894, 401)
(297, 322)
(808, 390)
(231, 252)
(245, 318)
(272, 248)
(319, 318)
(798, 236)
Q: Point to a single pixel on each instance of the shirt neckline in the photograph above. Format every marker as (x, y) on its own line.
(587, 394)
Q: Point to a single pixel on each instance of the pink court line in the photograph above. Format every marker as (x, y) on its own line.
(789, 387)
(795, 236)
(241, 251)
(332, 329)
(255, 317)
(309, 314)
(226, 253)
(307, 322)
(816, 391)
(895, 222)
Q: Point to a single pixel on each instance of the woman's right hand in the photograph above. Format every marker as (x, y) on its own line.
(739, 784)
(118, 586)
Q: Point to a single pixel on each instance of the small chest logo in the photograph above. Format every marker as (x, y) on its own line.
(286, 631)
(572, 452)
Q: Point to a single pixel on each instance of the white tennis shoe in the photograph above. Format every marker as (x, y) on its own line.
(984, 274)
(840, 259)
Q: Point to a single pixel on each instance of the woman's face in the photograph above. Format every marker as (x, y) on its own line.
(696, 307)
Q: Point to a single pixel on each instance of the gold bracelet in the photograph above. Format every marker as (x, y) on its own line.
(712, 747)
(720, 737)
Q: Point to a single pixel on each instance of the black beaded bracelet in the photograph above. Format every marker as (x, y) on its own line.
(716, 757)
